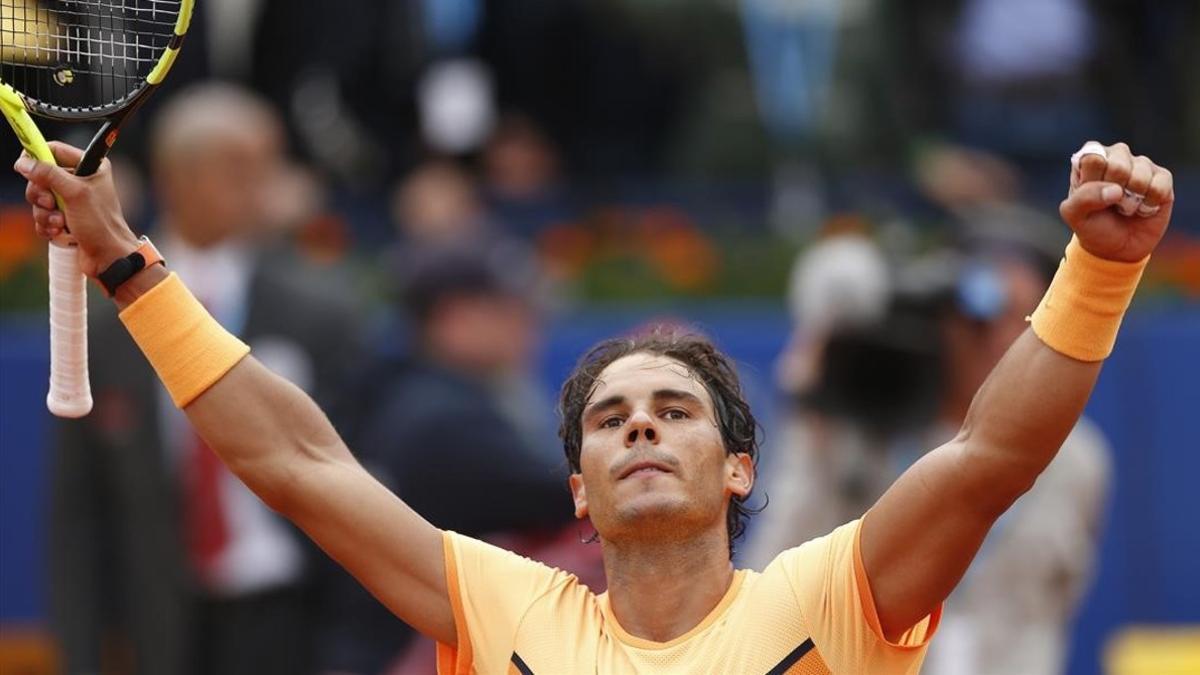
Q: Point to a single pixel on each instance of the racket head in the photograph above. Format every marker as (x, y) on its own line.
(88, 59)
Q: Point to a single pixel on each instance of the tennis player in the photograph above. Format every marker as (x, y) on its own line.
(661, 445)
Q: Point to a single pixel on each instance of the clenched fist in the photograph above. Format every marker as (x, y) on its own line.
(1099, 182)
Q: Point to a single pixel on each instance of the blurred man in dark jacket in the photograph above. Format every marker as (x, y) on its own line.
(453, 426)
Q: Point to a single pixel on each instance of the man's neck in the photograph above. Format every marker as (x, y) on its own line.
(660, 590)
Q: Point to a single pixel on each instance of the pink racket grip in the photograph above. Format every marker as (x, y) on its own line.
(70, 392)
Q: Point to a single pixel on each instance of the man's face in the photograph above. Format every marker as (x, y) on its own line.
(490, 333)
(222, 190)
(653, 465)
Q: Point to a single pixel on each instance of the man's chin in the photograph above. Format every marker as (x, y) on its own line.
(657, 512)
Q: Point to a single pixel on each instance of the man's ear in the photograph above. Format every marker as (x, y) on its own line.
(578, 494)
(739, 479)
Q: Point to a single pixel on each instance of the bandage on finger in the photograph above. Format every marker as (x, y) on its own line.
(1146, 210)
(1134, 204)
(1130, 203)
(1089, 148)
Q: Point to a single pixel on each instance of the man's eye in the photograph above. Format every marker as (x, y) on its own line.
(676, 414)
(610, 423)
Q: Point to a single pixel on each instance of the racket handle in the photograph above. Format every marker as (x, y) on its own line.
(70, 393)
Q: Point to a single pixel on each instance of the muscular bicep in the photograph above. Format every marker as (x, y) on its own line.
(920, 537)
(277, 441)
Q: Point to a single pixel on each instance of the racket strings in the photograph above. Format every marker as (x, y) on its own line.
(82, 54)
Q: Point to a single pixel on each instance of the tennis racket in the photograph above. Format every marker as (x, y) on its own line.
(80, 60)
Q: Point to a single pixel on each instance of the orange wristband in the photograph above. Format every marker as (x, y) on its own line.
(1082, 310)
(188, 349)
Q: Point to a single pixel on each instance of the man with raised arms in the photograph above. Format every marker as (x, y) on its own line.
(662, 450)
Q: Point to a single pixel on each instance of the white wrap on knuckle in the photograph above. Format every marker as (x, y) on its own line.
(1131, 204)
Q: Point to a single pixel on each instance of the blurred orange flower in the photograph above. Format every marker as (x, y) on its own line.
(18, 243)
(566, 248)
(684, 257)
(1176, 264)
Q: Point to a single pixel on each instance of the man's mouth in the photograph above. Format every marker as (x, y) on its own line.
(644, 469)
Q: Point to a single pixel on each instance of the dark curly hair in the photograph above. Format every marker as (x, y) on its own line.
(739, 429)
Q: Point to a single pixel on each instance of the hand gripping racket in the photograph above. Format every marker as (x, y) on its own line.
(80, 60)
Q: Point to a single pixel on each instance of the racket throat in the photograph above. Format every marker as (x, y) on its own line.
(98, 149)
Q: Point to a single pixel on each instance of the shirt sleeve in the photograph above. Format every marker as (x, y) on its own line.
(835, 601)
(490, 591)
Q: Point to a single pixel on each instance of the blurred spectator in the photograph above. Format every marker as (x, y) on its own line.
(522, 179)
(520, 163)
(956, 177)
(840, 281)
(436, 204)
(866, 416)
(1012, 77)
(459, 415)
(1022, 67)
(857, 370)
(969, 90)
(161, 562)
(359, 95)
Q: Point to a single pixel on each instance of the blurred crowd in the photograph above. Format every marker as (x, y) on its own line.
(670, 148)
(386, 199)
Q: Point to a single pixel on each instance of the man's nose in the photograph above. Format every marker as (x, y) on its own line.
(641, 425)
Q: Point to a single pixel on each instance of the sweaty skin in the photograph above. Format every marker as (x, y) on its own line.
(666, 522)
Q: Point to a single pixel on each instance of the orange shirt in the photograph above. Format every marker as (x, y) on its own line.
(809, 612)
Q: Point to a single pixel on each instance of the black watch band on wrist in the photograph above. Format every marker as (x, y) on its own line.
(123, 269)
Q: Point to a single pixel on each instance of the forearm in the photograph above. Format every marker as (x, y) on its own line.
(1035, 395)
(280, 444)
(1019, 419)
(923, 533)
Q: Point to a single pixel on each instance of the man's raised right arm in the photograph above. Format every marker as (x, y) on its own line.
(269, 432)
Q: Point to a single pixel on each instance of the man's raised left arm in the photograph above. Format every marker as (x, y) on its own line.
(922, 534)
